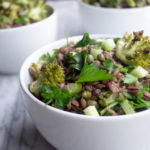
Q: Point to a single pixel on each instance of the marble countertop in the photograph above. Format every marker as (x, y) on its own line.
(17, 131)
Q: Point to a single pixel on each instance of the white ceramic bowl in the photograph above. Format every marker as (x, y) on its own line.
(114, 20)
(17, 43)
(68, 131)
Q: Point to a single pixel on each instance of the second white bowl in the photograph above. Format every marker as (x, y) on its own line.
(17, 43)
(114, 20)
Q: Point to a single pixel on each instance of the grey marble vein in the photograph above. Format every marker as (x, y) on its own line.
(17, 132)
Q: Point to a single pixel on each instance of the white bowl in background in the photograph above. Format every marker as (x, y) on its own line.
(114, 20)
(19, 42)
(68, 131)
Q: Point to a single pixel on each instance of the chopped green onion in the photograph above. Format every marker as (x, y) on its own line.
(102, 112)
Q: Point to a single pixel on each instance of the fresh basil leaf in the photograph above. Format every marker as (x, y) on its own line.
(129, 79)
(90, 73)
(85, 41)
(109, 65)
(60, 97)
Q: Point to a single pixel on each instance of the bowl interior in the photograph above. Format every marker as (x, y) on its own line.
(25, 77)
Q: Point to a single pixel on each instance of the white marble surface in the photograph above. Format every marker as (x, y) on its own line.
(17, 131)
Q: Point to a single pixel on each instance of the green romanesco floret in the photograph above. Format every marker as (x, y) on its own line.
(52, 74)
(134, 49)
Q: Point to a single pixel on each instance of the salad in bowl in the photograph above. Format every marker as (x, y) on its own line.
(118, 3)
(14, 13)
(95, 77)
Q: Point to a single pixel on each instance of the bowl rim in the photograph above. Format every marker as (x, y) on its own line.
(62, 112)
(23, 27)
(88, 6)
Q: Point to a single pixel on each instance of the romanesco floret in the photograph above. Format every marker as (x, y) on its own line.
(134, 50)
(52, 74)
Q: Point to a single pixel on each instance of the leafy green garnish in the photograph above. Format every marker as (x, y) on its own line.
(109, 65)
(119, 100)
(85, 41)
(142, 102)
(90, 73)
(48, 58)
(77, 61)
(51, 93)
(116, 39)
(127, 95)
(112, 105)
(112, 3)
(129, 79)
(145, 87)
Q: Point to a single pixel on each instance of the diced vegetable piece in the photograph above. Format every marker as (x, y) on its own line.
(91, 111)
(95, 52)
(5, 5)
(35, 87)
(108, 45)
(129, 79)
(75, 88)
(139, 72)
(127, 108)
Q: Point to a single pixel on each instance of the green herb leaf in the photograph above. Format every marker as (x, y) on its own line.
(112, 3)
(48, 58)
(116, 40)
(77, 60)
(112, 105)
(51, 93)
(90, 73)
(145, 87)
(129, 79)
(85, 41)
(109, 65)
(142, 102)
(45, 57)
(127, 95)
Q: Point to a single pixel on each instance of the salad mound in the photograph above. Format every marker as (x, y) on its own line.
(14, 13)
(95, 77)
(118, 3)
